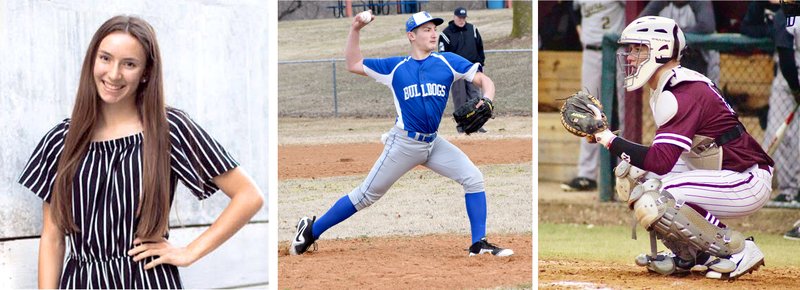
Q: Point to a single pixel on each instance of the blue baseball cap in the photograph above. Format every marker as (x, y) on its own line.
(421, 18)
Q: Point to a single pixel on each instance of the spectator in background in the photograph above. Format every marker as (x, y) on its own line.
(765, 19)
(692, 17)
(463, 39)
(557, 28)
(788, 67)
(596, 19)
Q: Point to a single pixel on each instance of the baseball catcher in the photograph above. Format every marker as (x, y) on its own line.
(702, 164)
(419, 83)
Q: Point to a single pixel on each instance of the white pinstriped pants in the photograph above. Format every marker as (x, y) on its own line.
(723, 193)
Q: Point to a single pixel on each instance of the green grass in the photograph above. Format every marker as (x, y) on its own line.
(613, 244)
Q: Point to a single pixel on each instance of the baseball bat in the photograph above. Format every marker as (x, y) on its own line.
(773, 144)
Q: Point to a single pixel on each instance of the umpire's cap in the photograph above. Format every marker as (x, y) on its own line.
(421, 18)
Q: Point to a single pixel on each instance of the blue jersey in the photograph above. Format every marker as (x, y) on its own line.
(420, 87)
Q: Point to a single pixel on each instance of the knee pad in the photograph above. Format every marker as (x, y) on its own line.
(643, 201)
(681, 224)
(627, 178)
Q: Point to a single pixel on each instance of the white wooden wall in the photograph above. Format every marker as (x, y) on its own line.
(215, 66)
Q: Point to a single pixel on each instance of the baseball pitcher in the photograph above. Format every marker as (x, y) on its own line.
(419, 84)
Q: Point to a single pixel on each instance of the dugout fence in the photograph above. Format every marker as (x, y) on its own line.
(746, 73)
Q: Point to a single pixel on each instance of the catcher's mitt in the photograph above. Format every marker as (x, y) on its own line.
(582, 115)
(469, 118)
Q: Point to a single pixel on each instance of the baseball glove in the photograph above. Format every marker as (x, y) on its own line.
(469, 118)
(582, 115)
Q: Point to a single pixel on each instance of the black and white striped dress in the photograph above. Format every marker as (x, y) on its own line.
(106, 191)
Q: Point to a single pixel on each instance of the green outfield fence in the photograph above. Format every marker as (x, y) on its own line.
(746, 58)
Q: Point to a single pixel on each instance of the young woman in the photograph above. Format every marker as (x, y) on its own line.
(108, 175)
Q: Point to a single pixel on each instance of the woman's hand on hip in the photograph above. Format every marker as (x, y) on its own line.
(166, 252)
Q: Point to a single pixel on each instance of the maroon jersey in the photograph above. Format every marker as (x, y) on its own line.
(701, 110)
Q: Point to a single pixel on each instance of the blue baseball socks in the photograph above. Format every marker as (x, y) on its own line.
(476, 210)
(340, 211)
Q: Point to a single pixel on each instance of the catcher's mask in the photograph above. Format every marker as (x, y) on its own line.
(651, 41)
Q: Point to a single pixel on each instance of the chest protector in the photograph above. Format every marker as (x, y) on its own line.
(705, 152)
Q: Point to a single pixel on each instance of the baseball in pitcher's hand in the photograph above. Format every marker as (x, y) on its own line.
(360, 19)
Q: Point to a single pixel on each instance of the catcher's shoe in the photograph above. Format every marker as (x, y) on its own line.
(483, 246)
(706, 262)
(747, 261)
(666, 263)
(304, 237)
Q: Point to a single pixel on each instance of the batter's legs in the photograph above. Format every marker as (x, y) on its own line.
(787, 170)
(587, 160)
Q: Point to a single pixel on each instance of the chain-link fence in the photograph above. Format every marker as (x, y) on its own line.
(324, 88)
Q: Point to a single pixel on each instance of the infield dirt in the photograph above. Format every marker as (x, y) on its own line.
(425, 262)
(566, 274)
(416, 235)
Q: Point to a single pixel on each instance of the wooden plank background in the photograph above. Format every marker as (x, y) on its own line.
(746, 77)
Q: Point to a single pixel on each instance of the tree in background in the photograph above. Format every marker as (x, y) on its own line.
(522, 21)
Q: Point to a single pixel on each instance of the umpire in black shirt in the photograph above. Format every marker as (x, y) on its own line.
(463, 39)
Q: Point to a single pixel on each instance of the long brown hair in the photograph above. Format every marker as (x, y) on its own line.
(153, 211)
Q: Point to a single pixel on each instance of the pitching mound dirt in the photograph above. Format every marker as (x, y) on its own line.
(422, 262)
(324, 160)
(556, 274)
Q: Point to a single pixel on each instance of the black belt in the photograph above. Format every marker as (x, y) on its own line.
(730, 135)
(594, 47)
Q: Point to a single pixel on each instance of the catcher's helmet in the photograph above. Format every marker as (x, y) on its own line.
(664, 41)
